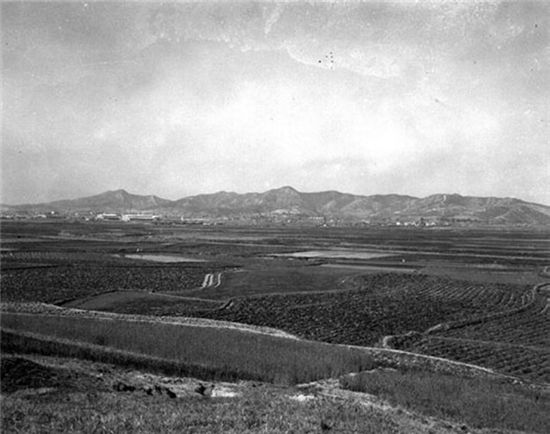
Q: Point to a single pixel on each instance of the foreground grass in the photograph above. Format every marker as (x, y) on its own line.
(183, 350)
(261, 411)
(481, 403)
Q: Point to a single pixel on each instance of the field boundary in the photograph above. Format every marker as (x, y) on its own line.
(37, 343)
(430, 363)
(382, 356)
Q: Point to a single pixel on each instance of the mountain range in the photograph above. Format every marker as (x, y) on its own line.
(287, 201)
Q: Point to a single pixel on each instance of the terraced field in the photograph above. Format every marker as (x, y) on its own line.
(517, 344)
(385, 304)
(532, 363)
(530, 327)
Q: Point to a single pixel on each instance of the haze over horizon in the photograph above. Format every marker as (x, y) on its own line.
(365, 98)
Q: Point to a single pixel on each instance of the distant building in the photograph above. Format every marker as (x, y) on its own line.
(107, 216)
(139, 217)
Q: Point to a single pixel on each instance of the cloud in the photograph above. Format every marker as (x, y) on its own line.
(188, 98)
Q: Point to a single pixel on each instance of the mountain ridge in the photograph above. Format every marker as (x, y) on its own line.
(287, 200)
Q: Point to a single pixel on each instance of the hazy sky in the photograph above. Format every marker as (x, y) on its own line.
(177, 99)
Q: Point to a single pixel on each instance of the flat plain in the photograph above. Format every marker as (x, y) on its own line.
(283, 305)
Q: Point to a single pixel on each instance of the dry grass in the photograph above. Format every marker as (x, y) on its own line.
(261, 411)
(479, 402)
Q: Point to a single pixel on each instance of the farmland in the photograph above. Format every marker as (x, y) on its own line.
(385, 304)
(345, 286)
(231, 353)
(322, 302)
(517, 344)
(54, 284)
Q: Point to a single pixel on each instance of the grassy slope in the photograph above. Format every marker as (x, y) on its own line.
(261, 412)
(82, 397)
(78, 400)
(481, 403)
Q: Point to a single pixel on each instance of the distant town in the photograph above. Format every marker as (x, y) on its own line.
(273, 218)
(287, 206)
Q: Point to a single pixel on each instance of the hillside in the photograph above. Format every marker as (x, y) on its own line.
(83, 394)
(287, 201)
(109, 201)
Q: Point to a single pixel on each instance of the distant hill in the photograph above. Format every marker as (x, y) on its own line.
(287, 201)
(110, 201)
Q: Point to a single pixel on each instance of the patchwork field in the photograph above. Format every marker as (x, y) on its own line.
(399, 313)
(384, 304)
(366, 287)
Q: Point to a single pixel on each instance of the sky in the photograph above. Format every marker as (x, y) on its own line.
(177, 99)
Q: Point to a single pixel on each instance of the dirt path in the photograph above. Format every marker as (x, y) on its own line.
(492, 343)
(212, 280)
